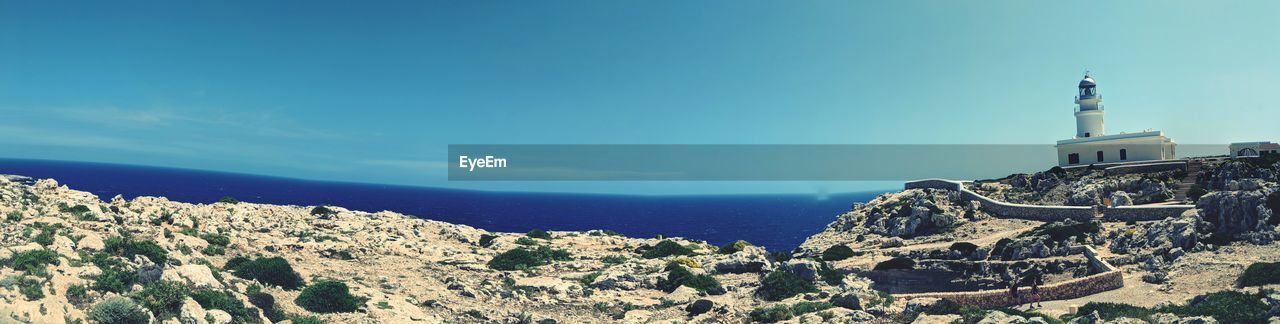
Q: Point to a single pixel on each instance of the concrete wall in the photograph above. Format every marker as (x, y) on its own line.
(1110, 278)
(1146, 167)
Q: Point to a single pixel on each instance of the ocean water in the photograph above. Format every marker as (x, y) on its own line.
(777, 222)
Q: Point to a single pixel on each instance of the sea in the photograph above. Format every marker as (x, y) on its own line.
(779, 222)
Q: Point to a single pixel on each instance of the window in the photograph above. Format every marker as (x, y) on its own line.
(1099, 156)
(1124, 155)
(1073, 158)
(1086, 134)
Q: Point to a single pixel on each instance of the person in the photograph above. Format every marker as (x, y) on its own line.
(1011, 277)
(1035, 276)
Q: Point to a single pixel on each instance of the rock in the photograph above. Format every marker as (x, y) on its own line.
(1235, 212)
(937, 319)
(908, 213)
(805, 269)
(682, 295)
(848, 301)
(891, 243)
(191, 312)
(91, 242)
(1121, 198)
(752, 259)
(217, 316)
(916, 306)
(149, 274)
(198, 276)
(698, 307)
(1197, 320)
(1182, 232)
(613, 279)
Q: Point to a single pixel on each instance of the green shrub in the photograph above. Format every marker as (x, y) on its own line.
(777, 313)
(806, 307)
(118, 310)
(896, 263)
(487, 239)
(216, 239)
(734, 247)
(614, 259)
(306, 320)
(115, 276)
(837, 253)
(328, 296)
(829, 275)
(322, 211)
(214, 299)
(1260, 273)
(1196, 192)
(274, 271)
(77, 293)
(266, 303)
(127, 247)
(34, 261)
(13, 216)
(965, 248)
(538, 234)
(779, 285)
(780, 256)
(847, 301)
(31, 288)
(526, 241)
(678, 275)
(664, 248)
(163, 298)
(228, 200)
(1227, 307)
(45, 238)
(523, 258)
(213, 250)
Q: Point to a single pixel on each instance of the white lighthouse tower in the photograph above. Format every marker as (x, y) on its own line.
(1089, 109)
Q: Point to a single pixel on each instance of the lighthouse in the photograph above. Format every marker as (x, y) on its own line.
(1092, 145)
(1089, 110)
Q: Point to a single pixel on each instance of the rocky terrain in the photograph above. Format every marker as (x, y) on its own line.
(67, 256)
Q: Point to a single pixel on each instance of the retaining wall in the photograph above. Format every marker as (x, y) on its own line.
(1146, 167)
(1144, 213)
(1109, 279)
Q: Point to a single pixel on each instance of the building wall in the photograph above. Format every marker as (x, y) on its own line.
(1109, 278)
(1052, 213)
(1145, 148)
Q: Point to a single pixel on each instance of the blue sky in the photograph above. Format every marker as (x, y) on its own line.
(373, 92)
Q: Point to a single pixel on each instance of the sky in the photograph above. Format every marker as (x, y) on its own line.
(374, 92)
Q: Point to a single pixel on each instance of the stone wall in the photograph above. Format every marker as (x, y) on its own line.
(1146, 167)
(1144, 213)
(1110, 278)
(1052, 213)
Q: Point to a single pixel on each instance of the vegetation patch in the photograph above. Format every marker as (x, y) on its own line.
(163, 298)
(678, 275)
(837, 253)
(323, 212)
(829, 275)
(487, 239)
(896, 263)
(524, 258)
(274, 271)
(664, 248)
(734, 247)
(127, 247)
(118, 310)
(328, 296)
(538, 234)
(1260, 273)
(779, 285)
(1224, 306)
(214, 299)
(965, 248)
(34, 261)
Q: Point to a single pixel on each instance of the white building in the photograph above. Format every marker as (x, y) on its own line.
(1248, 149)
(1092, 145)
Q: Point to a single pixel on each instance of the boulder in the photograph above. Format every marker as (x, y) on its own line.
(699, 306)
(805, 269)
(198, 276)
(1235, 212)
(752, 259)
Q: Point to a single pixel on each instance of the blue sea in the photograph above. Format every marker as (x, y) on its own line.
(777, 222)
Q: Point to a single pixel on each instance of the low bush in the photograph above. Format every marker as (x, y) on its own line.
(274, 271)
(1224, 306)
(115, 277)
(896, 263)
(214, 299)
(524, 258)
(664, 248)
(538, 234)
(228, 200)
(34, 261)
(779, 285)
(678, 275)
(163, 298)
(1260, 273)
(127, 247)
(965, 248)
(614, 259)
(837, 253)
(216, 239)
(77, 293)
(806, 307)
(780, 256)
(323, 211)
(31, 288)
(526, 241)
(734, 247)
(777, 313)
(118, 310)
(13, 216)
(328, 296)
(45, 238)
(266, 303)
(1196, 192)
(487, 239)
(829, 275)
(847, 301)
(306, 320)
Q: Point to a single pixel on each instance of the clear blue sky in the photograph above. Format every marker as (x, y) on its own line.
(374, 92)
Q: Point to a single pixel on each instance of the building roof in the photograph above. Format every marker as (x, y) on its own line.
(1112, 137)
(1088, 81)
